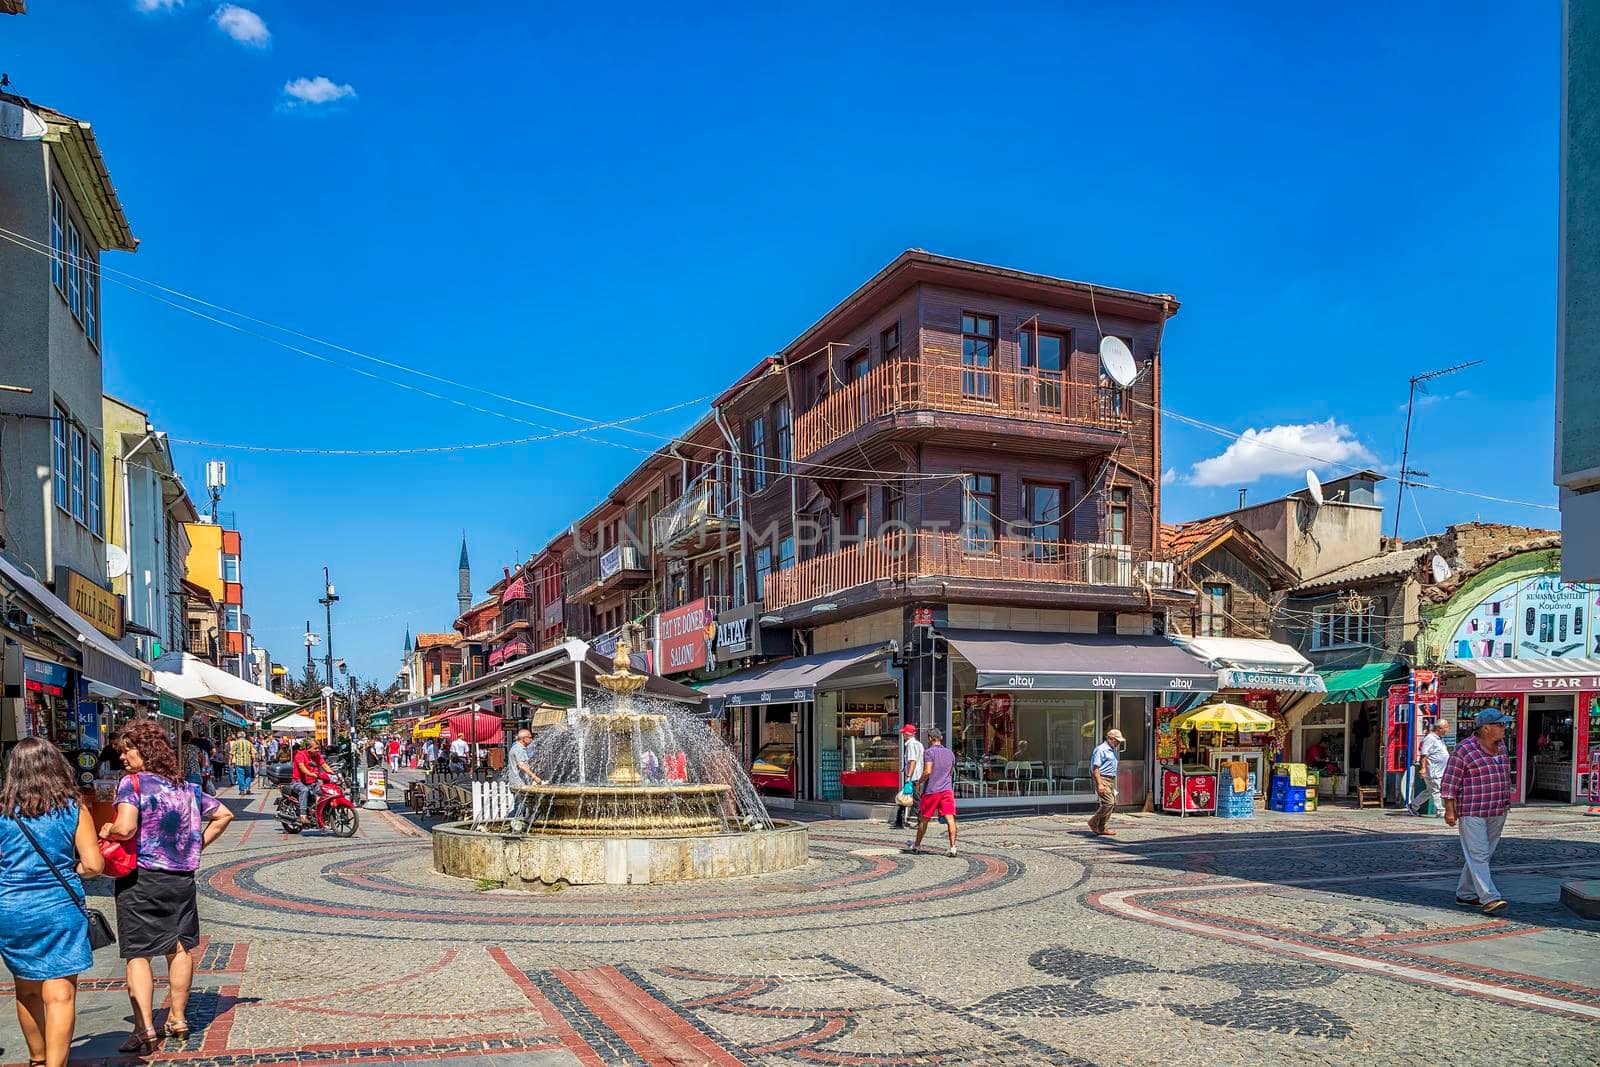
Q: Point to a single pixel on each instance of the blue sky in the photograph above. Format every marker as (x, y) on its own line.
(549, 200)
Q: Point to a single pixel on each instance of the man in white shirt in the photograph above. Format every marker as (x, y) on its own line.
(459, 751)
(911, 751)
(1432, 758)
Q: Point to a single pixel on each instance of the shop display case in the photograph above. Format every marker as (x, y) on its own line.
(1188, 789)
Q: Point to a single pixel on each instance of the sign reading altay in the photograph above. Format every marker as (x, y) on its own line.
(99, 607)
(683, 637)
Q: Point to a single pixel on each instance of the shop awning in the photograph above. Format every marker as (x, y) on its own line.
(1370, 682)
(103, 691)
(1011, 659)
(235, 720)
(1252, 663)
(553, 667)
(1548, 675)
(189, 678)
(102, 660)
(793, 680)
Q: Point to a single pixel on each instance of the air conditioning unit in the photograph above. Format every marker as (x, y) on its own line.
(1109, 564)
(1159, 574)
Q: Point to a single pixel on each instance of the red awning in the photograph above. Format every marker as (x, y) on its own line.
(478, 727)
(517, 589)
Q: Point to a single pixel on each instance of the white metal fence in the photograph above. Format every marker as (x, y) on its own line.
(492, 802)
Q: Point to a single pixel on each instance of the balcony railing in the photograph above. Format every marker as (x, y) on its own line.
(967, 554)
(705, 510)
(910, 385)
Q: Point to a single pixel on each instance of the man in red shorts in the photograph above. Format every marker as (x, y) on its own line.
(938, 790)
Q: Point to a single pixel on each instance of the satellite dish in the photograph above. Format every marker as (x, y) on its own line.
(1117, 361)
(1314, 487)
(116, 561)
(1441, 569)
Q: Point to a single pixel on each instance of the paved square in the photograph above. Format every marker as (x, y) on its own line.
(1323, 938)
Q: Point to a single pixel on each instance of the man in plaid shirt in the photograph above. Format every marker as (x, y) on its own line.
(1477, 794)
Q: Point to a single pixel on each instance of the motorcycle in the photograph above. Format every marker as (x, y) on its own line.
(329, 809)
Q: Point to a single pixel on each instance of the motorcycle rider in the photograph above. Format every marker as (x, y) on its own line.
(310, 771)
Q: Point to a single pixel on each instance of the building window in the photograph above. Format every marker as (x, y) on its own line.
(96, 524)
(74, 271)
(197, 639)
(58, 443)
(739, 591)
(819, 387)
(894, 504)
(230, 567)
(786, 553)
(1045, 356)
(889, 343)
(76, 435)
(1043, 506)
(1213, 610)
(1117, 516)
(980, 508)
(763, 568)
(232, 618)
(758, 454)
(853, 521)
(91, 297)
(58, 242)
(783, 433)
(977, 356)
(1336, 627)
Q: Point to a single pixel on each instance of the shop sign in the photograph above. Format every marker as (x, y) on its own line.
(798, 695)
(1278, 681)
(170, 707)
(921, 616)
(39, 676)
(740, 634)
(377, 787)
(99, 607)
(682, 633)
(1532, 618)
(618, 558)
(319, 718)
(1549, 683)
(1107, 680)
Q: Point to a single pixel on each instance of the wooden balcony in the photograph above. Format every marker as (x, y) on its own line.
(1048, 398)
(703, 518)
(898, 557)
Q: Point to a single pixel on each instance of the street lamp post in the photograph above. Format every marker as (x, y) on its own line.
(327, 601)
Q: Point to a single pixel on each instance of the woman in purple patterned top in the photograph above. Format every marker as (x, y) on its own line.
(156, 909)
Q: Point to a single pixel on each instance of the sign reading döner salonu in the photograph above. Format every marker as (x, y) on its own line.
(683, 637)
(99, 607)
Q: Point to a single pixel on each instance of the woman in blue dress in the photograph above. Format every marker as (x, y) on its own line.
(44, 934)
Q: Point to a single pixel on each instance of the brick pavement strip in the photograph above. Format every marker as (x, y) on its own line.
(1319, 939)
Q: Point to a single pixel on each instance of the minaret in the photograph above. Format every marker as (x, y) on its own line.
(464, 574)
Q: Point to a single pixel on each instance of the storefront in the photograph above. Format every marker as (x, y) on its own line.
(1029, 708)
(1345, 731)
(1518, 638)
(817, 727)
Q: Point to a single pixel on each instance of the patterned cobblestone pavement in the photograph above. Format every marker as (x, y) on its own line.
(1326, 938)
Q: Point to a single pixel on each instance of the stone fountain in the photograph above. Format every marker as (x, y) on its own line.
(632, 791)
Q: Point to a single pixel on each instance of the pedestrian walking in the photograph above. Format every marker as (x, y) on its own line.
(242, 759)
(1103, 769)
(938, 791)
(460, 752)
(394, 753)
(46, 843)
(910, 772)
(272, 750)
(1476, 786)
(194, 760)
(1432, 758)
(156, 912)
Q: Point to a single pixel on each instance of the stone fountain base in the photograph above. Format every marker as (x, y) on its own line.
(538, 861)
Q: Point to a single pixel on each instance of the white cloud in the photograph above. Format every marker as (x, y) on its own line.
(1286, 449)
(243, 25)
(314, 91)
(1170, 476)
(156, 5)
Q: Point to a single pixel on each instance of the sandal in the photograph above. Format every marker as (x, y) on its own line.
(141, 1043)
(179, 1029)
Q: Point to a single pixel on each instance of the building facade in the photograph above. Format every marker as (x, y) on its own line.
(216, 564)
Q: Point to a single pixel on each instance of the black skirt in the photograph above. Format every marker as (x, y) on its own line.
(156, 913)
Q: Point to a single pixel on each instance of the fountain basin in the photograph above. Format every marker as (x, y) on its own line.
(626, 810)
(541, 860)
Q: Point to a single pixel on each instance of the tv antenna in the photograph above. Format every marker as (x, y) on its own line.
(1419, 384)
(1117, 361)
(1441, 568)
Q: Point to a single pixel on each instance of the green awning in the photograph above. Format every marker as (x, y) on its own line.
(529, 691)
(1370, 682)
(170, 707)
(380, 718)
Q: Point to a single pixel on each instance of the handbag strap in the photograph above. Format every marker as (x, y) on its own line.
(82, 904)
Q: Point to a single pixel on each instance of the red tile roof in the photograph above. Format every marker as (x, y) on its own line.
(438, 640)
(1181, 539)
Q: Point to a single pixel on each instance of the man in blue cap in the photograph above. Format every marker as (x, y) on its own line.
(1477, 794)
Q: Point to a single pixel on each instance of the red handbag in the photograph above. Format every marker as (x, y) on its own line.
(122, 857)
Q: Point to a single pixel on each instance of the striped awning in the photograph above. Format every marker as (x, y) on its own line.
(1549, 675)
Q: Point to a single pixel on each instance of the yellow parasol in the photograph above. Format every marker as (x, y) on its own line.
(1224, 717)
